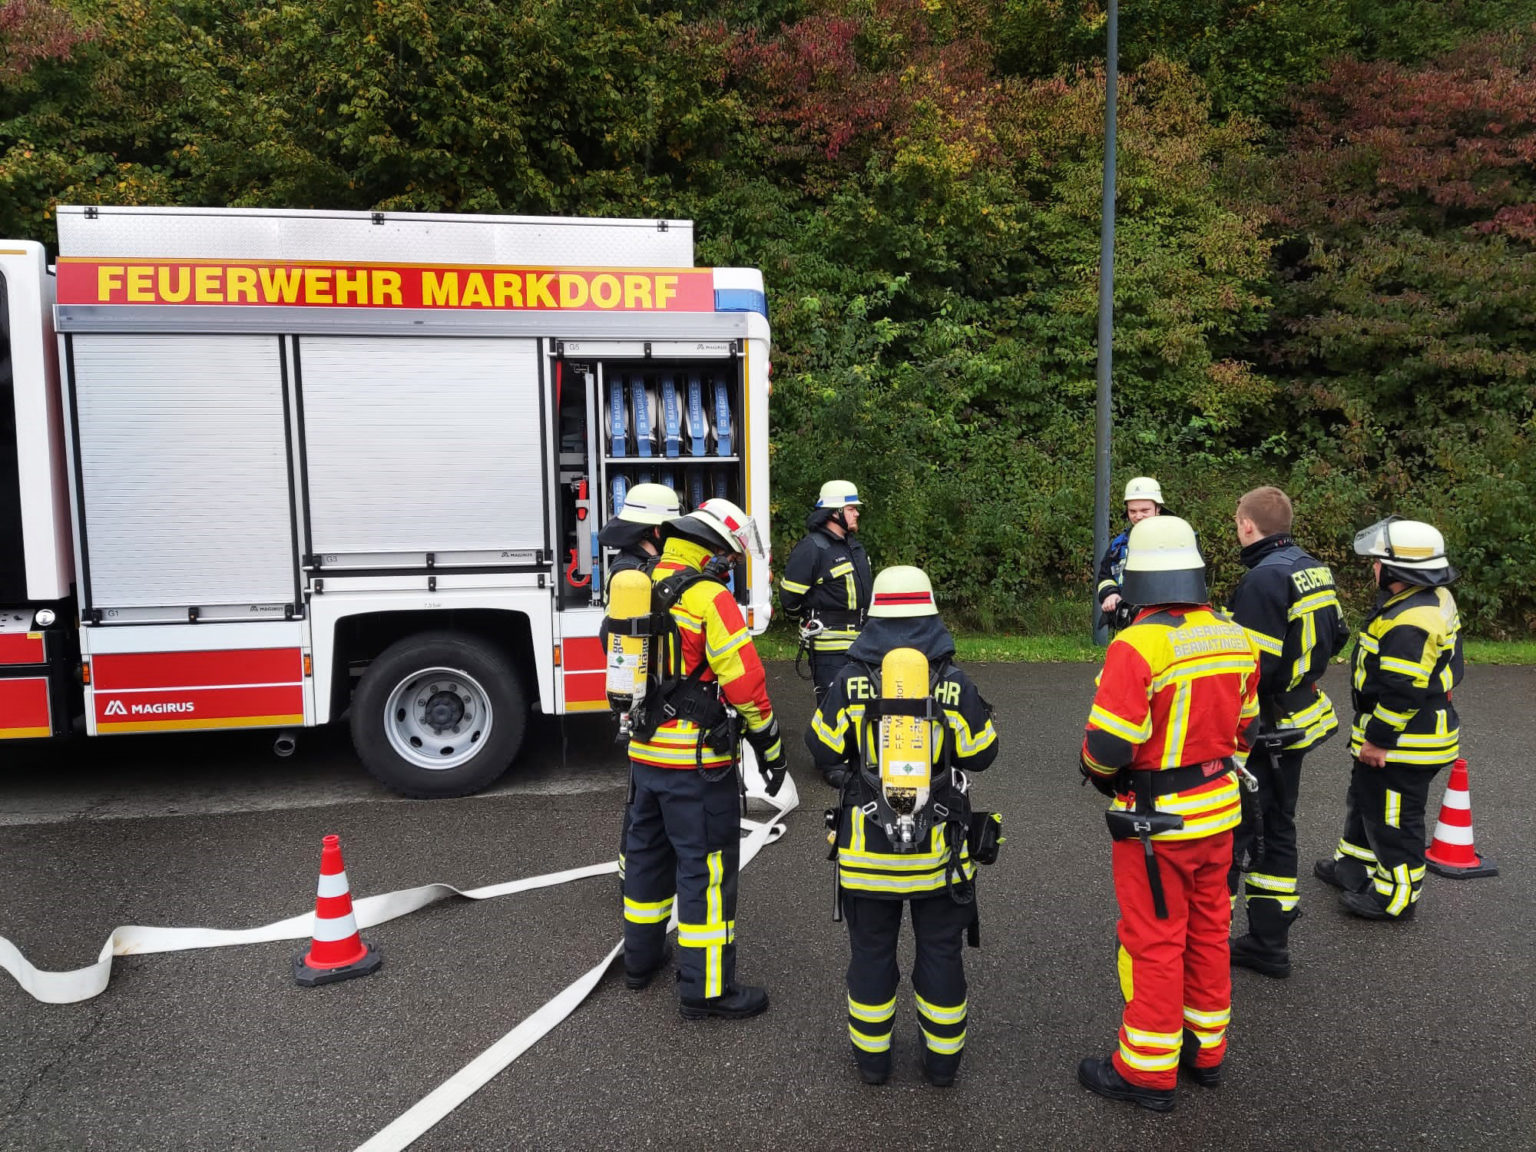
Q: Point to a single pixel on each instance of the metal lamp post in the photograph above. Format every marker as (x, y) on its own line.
(1103, 412)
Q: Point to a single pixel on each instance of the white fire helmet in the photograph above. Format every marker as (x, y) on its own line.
(901, 591)
(1409, 550)
(1163, 564)
(839, 494)
(650, 504)
(1144, 488)
(720, 519)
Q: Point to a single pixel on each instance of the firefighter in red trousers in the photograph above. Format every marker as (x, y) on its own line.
(1175, 704)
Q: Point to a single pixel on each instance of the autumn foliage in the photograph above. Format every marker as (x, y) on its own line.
(1326, 249)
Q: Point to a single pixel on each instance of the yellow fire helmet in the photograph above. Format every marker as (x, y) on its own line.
(1163, 564)
(900, 591)
(650, 504)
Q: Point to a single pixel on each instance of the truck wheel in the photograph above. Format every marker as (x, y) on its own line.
(439, 714)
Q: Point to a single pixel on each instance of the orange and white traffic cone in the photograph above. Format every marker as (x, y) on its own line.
(337, 951)
(1451, 853)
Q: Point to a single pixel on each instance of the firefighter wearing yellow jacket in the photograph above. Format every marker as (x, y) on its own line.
(684, 841)
(1407, 660)
(929, 863)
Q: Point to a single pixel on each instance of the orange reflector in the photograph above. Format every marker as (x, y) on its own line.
(751, 617)
(309, 664)
(557, 655)
(85, 671)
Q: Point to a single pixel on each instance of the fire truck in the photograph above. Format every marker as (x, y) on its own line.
(275, 469)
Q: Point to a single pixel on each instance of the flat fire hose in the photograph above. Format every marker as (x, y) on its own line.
(134, 940)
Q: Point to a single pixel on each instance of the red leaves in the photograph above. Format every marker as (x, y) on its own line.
(1445, 144)
(32, 31)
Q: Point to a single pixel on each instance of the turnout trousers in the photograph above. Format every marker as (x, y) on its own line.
(824, 669)
(1384, 832)
(683, 848)
(1174, 973)
(938, 977)
(1267, 836)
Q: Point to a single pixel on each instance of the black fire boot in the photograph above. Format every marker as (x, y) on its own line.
(1344, 872)
(874, 1067)
(939, 1070)
(638, 981)
(1370, 906)
(1264, 948)
(1188, 1053)
(1097, 1074)
(736, 1004)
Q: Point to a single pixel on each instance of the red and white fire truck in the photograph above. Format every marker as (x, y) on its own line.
(260, 469)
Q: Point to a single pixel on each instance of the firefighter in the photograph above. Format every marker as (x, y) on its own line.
(873, 878)
(636, 533)
(636, 530)
(1288, 603)
(685, 804)
(1406, 662)
(1176, 701)
(1143, 498)
(826, 582)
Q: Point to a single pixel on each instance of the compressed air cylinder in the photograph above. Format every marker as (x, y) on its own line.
(671, 416)
(629, 598)
(906, 742)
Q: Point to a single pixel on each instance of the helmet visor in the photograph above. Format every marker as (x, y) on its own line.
(1376, 540)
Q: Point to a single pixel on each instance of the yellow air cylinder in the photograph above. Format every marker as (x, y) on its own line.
(629, 598)
(906, 742)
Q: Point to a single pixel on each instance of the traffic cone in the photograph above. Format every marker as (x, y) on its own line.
(1451, 853)
(337, 951)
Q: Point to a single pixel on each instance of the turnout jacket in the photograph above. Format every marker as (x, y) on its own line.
(1179, 687)
(1407, 659)
(1288, 603)
(838, 735)
(712, 639)
(829, 579)
(1112, 567)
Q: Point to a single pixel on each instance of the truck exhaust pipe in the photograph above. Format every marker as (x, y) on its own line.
(285, 745)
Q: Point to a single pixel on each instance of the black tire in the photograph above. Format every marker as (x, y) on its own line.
(490, 670)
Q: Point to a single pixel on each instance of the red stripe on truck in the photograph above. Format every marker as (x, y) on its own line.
(240, 666)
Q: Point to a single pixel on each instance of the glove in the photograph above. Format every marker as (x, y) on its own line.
(838, 776)
(770, 756)
(1104, 784)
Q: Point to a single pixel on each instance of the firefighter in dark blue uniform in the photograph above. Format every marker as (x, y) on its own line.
(827, 580)
(937, 878)
(1407, 661)
(1287, 602)
(1143, 498)
(636, 531)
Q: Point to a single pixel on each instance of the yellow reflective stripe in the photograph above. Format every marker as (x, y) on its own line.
(968, 743)
(1218, 1019)
(1265, 642)
(1106, 720)
(1415, 672)
(1404, 890)
(1152, 1039)
(791, 586)
(873, 1013)
(1159, 1063)
(831, 737)
(1271, 883)
(1393, 719)
(1199, 669)
(869, 1043)
(867, 882)
(944, 1045)
(1103, 584)
(647, 911)
(1316, 602)
(940, 1015)
(1394, 811)
(732, 642)
(1178, 726)
(1354, 851)
(1369, 643)
(842, 569)
(892, 861)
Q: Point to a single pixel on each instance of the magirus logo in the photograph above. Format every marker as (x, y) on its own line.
(116, 708)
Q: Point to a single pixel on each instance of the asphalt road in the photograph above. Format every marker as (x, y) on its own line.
(1416, 1035)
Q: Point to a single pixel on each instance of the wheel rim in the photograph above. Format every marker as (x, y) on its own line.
(438, 718)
